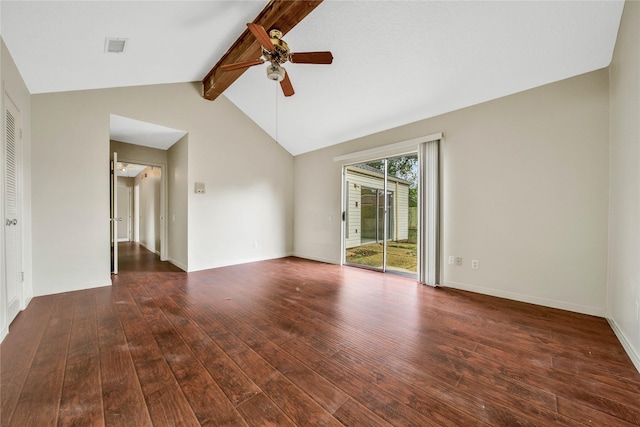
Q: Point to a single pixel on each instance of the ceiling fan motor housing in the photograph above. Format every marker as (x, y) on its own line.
(275, 72)
(281, 53)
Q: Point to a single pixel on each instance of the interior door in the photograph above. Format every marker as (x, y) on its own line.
(124, 214)
(12, 232)
(114, 214)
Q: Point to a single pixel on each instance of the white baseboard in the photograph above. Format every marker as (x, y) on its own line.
(4, 333)
(631, 352)
(314, 258)
(78, 287)
(562, 305)
(27, 301)
(149, 249)
(241, 261)
(180, 265)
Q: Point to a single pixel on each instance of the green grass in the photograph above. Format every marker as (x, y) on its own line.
(400, 255)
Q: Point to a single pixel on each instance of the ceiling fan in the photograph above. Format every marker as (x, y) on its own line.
(276, 52)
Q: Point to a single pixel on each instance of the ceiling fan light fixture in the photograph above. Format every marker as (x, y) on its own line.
(275, 72)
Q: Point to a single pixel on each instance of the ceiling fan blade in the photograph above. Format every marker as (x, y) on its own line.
(261, 34)
(312, 58)
(287, 87)
(244, 64)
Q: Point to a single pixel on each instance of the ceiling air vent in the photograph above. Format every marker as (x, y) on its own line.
(114, 45)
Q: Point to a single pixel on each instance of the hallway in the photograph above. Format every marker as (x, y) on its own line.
(133, 257)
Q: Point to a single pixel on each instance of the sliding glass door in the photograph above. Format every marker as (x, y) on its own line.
(381, 207)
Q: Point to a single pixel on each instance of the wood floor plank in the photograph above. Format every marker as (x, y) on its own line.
(209, 403)
(260, 411)
(439, 399)
(231, 379)
(81, 401)
(321, 390)
(351, 413)
(588, 415)
(39, 400)
(570, 386)
(298, 406)
(297, 342)
(379, 401)
(124, 402)
(617, 376)
(18, 350)
(165, 398)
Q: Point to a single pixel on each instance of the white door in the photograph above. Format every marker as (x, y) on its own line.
(114, 213)
(13, 226)
(124, 214)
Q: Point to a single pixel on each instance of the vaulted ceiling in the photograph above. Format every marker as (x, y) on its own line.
(395, 62)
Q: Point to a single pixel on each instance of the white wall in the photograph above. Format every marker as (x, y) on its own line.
(246, 213)
(128, 223)
(13, 85)
(74, 127)
(624, 211)
(148, 215)
(525, 192)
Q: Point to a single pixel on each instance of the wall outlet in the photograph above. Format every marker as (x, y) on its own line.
(452, 260)
(474, 264)
(458, 260)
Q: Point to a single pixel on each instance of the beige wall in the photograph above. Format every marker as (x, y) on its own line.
(127, 224)
(223, 224)
(525, 182)
(624, 211)
(138, 154)
(149, 209)
(14, 87)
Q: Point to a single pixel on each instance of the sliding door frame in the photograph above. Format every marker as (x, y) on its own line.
(382, 194)
(401, 148)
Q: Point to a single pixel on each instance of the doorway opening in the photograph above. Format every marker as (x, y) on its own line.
(137, 208)
(381, 214)
(140, 165)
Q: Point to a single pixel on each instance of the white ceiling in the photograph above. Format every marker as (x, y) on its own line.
(129, 170)
(124, 129)
(395, 61)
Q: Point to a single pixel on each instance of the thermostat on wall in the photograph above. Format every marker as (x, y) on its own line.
(199, 187)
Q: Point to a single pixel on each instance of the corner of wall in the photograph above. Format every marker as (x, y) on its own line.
(623, 275)
(626, 343)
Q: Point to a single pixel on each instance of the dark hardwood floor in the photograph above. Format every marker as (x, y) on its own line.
(296, 342)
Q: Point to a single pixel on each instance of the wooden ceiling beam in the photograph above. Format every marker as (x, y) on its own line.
(280, 14)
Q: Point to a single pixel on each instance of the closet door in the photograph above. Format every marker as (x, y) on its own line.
(12, 225)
